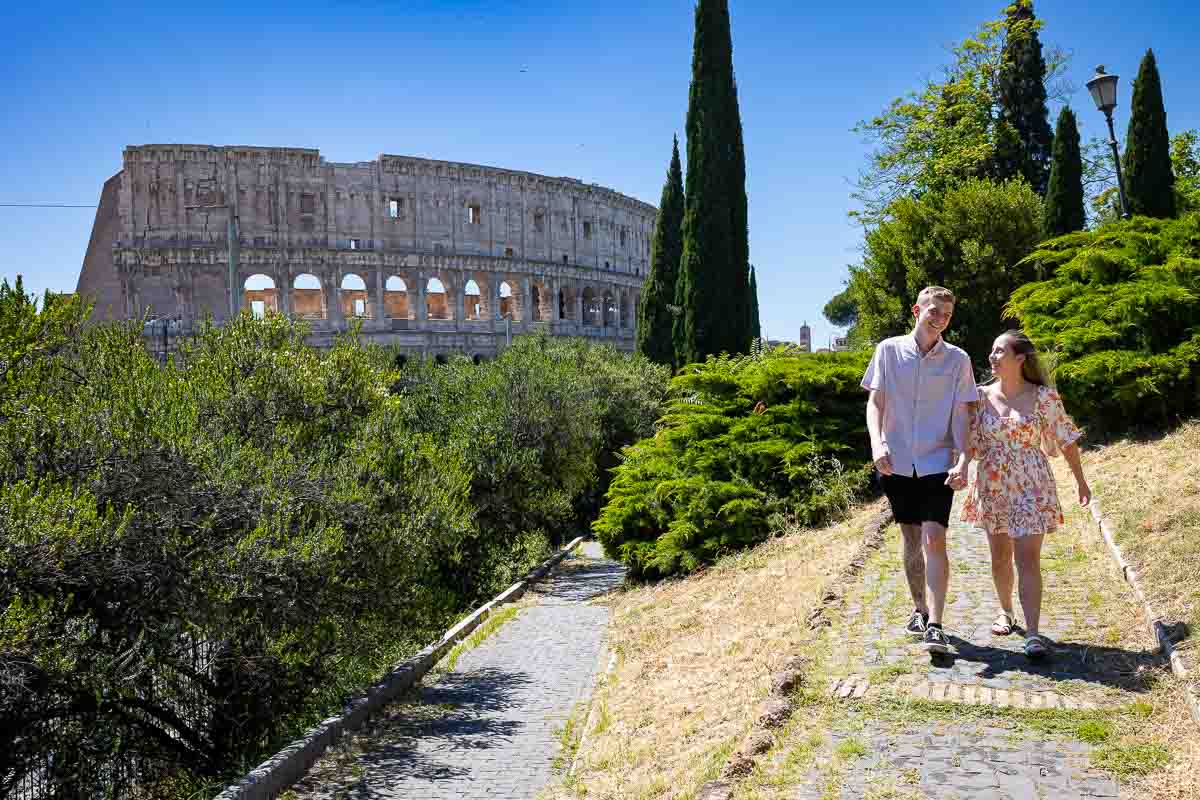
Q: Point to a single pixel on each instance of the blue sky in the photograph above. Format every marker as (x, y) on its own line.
(604, 88)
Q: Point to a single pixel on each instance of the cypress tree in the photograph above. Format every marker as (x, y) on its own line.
(655, 320)
(1064, 211)
(1023, 148)
(1149, 181)
(755, 327)
(713, 283)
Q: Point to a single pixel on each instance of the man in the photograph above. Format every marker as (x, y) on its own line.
(917, 414)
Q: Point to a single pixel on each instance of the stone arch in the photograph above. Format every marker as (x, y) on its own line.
(541, 302)
(308, 297)
(437, 299)
(396, 303)
(566, 303)
(609, 309)
(259, 295)
(473, 305)
(508, 301)
(477, 359)
(591, 307)
(353, 299)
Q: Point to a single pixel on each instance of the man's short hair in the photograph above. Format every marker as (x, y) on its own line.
(935, 293)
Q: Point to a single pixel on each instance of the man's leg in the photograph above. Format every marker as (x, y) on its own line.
(937, 568)
(914, 566)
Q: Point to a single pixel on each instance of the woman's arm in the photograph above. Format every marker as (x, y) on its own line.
(1071, 454)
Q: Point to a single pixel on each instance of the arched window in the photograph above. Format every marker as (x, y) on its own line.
(355, 303)
(437, 303)
(472, 300)
(308, 298)
(395, 299)
(259, 295)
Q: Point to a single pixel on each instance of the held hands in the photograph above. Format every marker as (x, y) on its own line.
(1085, 492)
(883, 461)
(957, 477)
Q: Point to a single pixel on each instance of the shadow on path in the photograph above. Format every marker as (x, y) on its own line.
(1127, 670)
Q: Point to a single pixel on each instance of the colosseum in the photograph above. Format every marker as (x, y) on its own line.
(435, 257)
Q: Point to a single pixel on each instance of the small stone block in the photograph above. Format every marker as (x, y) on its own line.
(833, 685)
(1019, 700)
(1069, 702)
(986, 695)
(1035, 699)
(921, 690)
(937, 691)
(847, 686)
(1003, 698)
(861, 691)
(968, 694)
(953, 693)
(1052, 700)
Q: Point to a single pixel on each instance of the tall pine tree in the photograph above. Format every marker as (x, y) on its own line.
(1064, 211)
(755, 327)
(713, 283)
(1023, 140)
(1149, 181)
(655, 320)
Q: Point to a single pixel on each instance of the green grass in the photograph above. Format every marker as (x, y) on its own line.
(850, 747)
(1126, 760)
(490, 625)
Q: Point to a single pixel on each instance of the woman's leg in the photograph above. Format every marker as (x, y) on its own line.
(1028, 552)
(1002, 569)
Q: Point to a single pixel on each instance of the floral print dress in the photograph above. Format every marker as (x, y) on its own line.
(1012, 489)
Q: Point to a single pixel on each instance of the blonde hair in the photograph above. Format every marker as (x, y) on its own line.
(1032, 368)
(935, 293)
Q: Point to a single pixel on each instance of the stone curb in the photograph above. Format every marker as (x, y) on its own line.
(776, 710)
(269, 779)
(593, 707)
(1178, 664)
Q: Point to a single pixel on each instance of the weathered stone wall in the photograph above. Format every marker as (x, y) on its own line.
(511, 250)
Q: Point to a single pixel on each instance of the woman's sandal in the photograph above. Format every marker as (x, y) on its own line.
(1036, 647)
(1004, 624)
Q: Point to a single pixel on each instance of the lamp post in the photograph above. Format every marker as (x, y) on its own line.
(1104, 91)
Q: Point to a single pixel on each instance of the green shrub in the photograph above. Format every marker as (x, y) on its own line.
(201, 559)
(1121, 312)
(742, 440)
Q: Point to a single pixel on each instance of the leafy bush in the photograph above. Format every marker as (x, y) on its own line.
(199, 559)
(970, 238)
(1122, 314)
(743, 440)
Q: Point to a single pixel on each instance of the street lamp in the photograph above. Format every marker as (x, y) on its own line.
(1104, 91)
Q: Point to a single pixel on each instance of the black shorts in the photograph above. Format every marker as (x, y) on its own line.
(915, 500)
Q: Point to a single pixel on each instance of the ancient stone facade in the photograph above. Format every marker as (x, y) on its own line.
(433, 256)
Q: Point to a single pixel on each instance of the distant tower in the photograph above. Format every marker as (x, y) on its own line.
(805, 337)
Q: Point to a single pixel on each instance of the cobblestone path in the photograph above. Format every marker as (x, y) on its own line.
(487, 729)
(969, 752)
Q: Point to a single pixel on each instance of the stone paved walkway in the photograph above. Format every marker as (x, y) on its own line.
(965, 756)
(489, 728)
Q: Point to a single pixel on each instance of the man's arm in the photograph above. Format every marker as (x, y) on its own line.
(879, 448)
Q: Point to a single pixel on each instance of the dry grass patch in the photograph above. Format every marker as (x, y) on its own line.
(694, 659)
(1151, 492)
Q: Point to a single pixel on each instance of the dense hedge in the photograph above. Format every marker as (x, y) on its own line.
(1120, 310)
(199, 559)
(743, 441)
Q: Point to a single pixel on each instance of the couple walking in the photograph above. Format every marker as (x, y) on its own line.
(928, 420)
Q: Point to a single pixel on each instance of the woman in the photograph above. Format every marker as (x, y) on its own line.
(1012, 493)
